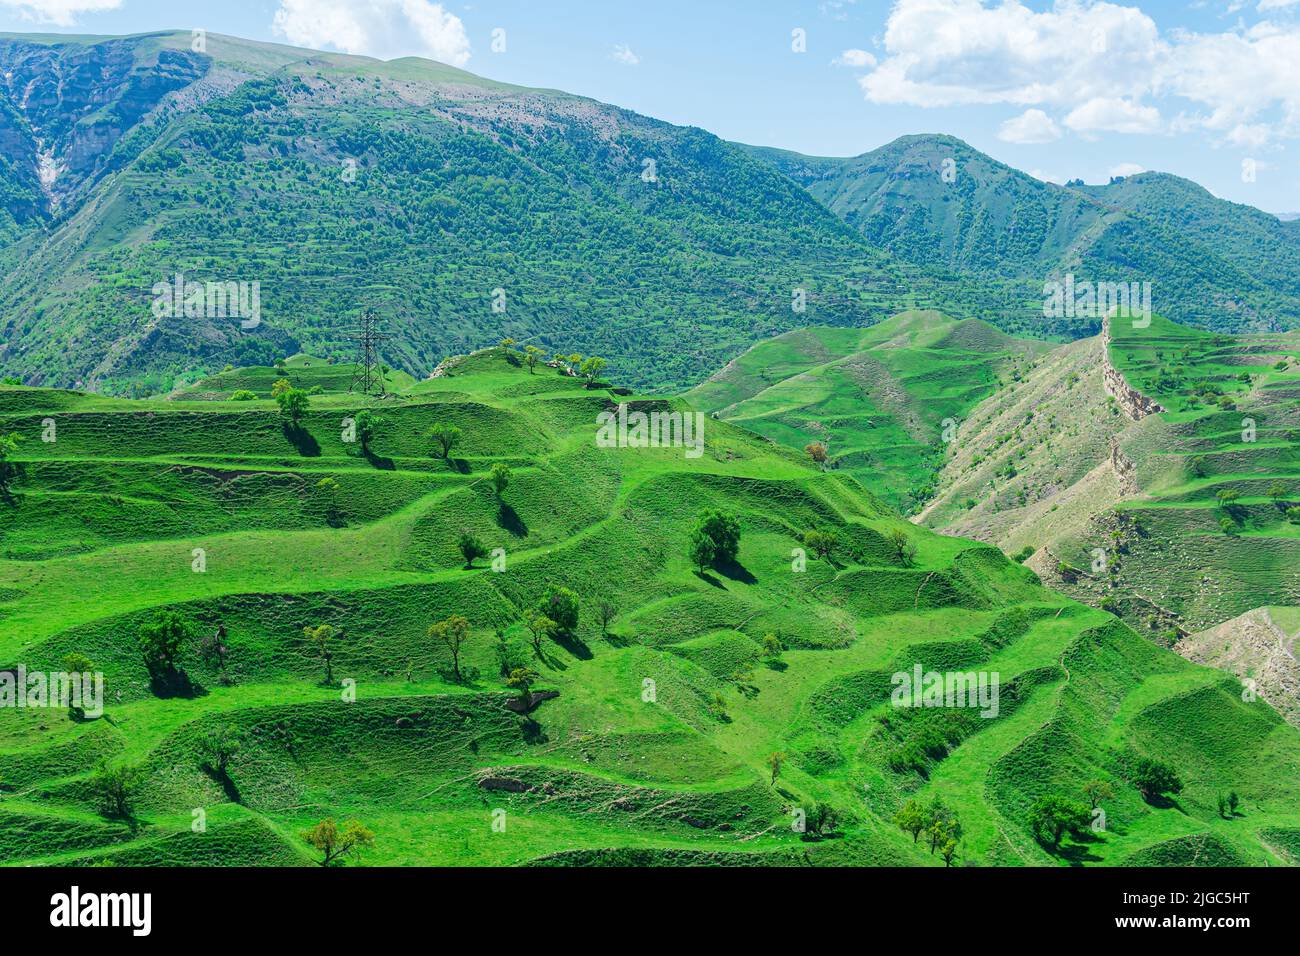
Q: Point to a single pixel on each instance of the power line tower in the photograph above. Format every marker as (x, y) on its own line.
(368, 378)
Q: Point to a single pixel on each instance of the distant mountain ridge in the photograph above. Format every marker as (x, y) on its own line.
(933, 200)
(467, 211)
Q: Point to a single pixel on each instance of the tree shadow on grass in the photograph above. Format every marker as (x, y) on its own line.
(1077, 854)
(574, 645)
(508, 519)
(735, 571)
(707, 578)
(301, 439)
(227, 785)
(176, 684)
(378, 461)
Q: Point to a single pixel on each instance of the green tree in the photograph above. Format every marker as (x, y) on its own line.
(471, 547)
(605, 613)
(714, 539)
(453, 632)
(334, 844)
(500, 476)
(540, 626)
(1052, 816)
(591, 369)
(561, 605)
(774, 761)
(941, 824)
(1154, 778)
(522, 680)
(532, 354)
(162, 642)
(1277, 491)
(368, 426)
(772, 647)
(115, 786)
(218, 746)
(901, 546)
(280, 387)
(8, 448)
(1234, 801)
(823, 819)
(321, 641)
(447, 437)
(1097, 791)
(293, 404)
(821, 543)
(911, 818)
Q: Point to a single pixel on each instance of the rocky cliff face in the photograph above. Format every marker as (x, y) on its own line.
(1133, 403)
(64, 106)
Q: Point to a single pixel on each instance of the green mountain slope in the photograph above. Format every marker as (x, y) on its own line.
(466, 210)
(876, 398)
(656, 748)
(1213, 263)
(1179, 520)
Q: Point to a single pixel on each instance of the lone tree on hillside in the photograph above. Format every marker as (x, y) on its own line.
(821, 543)
(605, 613)
(817, 452)
(941, 824)
(321, 639)
(453, 632)
(911, 818)
(218, 747)
(447, 437)
(1097, 791)
(591, 368)
(901, 546)
(715, 538)
(500, 476)
(1155, 779)
(774, 761)
(76, 663)
(1278, 491)
(162, 642)
(368, 426)
(334, 844)
(115, 787)
(532, 354)
(293, 404)
(772, 647)
(1052, 816)
(470, 547)
(561, 605)
(522, 680)
(8, 448)
(540, 626)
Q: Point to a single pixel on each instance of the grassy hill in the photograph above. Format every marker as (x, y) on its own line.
(1214, 263)
(1187, 510)
(877, 398)
(656, 749)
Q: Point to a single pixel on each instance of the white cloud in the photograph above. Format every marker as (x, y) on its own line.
(1106, 66)
(623, 54)
(379, 28)
(1113, 115)
(858, 59)
(1048, 177)
(1031, 126)
(1126, 169)
(60, 13)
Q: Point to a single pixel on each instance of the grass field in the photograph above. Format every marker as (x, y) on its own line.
(656, 748)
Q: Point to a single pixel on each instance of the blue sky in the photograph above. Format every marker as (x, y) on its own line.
(1072, 88)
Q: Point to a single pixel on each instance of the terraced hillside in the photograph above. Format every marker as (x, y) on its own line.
(1178, 520)
(876, 398)
(657, 745)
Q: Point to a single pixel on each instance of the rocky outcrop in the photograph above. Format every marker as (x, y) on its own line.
(1124, 470)
(1132, 402)
(1254, 648)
